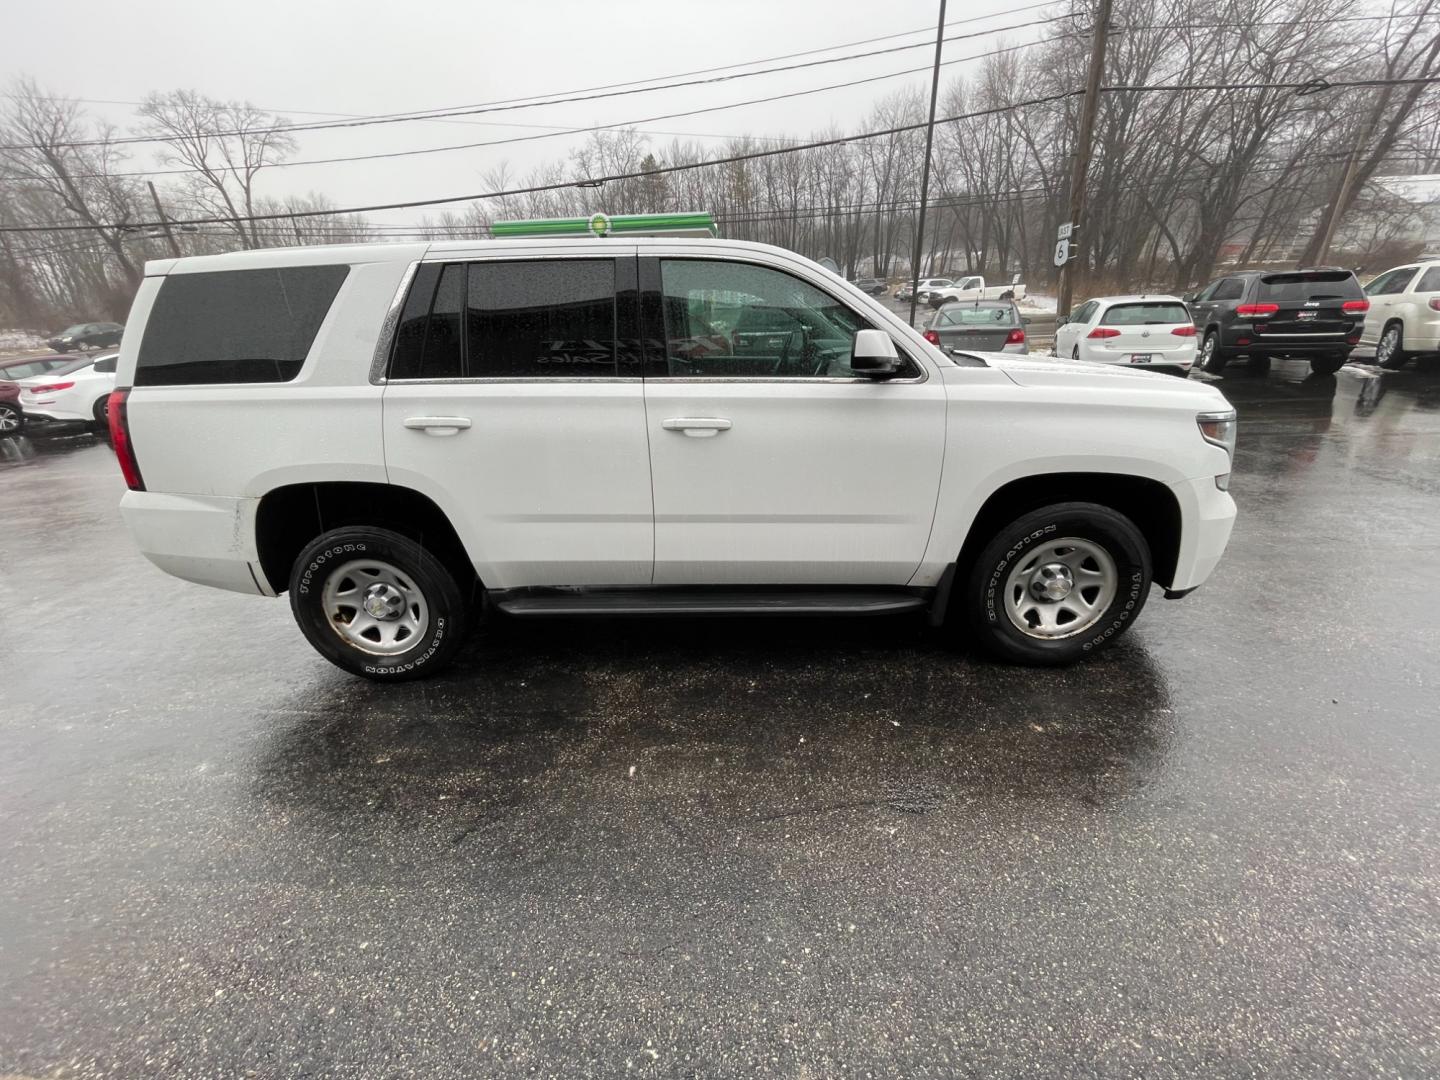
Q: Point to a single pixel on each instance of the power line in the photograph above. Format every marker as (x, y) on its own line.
(575, 131)
(505, 107)
(730, 159)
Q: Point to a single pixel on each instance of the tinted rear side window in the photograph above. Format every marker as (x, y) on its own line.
(550, 319)
(1310, 285)
(235, 326)
(1429, 281)
(1146, 315)
(524, 319)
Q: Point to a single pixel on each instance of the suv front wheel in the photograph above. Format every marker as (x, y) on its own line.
(1390, 349)
(1058, 584)
(377, 604)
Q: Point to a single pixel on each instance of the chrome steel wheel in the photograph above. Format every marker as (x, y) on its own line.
(1207, 351)
(10, 420)
(375, 607)
(1061, 588)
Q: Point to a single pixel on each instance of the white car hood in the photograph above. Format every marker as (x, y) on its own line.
(1034, 372)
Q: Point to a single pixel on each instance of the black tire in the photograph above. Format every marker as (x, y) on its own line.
(1212, 358)
(1328, 365)
(1390, 356)
(12, 420)
(447, 613)
(984, 600)
(1259, 365)
(102, 413)
(1075, 353)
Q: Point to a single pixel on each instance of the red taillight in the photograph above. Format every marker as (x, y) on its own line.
(1254, 310)
(1435, 303)
(1353, 339)
(1183, 331)
(1015, 337)
(932, 337)
(50, 388)
(1103, 332)
(119, 417)
(1355, 305)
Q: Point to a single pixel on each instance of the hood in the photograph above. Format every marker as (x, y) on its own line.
(1034, 372)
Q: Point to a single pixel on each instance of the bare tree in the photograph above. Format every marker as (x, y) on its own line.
(226, 144)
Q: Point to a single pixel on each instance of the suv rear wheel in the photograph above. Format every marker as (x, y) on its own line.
(1058, 584)
(377, 604)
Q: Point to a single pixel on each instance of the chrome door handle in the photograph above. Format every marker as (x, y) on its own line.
(437, 425)
(697, 427)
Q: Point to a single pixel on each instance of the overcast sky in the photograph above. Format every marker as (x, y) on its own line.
(303, 57)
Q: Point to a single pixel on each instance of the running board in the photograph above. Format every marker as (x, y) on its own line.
(529, 604)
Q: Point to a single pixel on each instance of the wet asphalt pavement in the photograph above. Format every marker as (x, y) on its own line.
(801, 848)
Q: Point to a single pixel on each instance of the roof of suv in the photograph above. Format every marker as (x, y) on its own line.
(320, 255)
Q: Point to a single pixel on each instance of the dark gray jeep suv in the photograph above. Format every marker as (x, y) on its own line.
(1316, 314)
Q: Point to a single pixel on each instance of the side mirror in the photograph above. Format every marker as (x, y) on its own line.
(1024, 320)
(873, 354)
(1189, 298)
(1061, 320)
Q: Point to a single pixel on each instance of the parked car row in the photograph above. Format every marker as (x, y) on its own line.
(1319, 314)
(57, 389)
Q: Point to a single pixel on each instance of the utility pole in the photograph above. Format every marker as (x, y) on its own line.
(925, 171)
(1088, 108)
(164, 221)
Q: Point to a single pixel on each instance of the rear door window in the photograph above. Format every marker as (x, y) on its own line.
(106, 366)
(1146, 314)
(522, 319)
(1229, 289)
(235, 326)
(1429, 281)
(1309, 285)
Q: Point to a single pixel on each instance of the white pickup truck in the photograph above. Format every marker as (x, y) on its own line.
(404, 437)
(974, 288)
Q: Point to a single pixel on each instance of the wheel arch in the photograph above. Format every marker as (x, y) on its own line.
(290, 516)
(1147, 502)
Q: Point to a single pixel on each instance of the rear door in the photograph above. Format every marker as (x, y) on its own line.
(1309, 305)
(971, 326)
(780, 466)
(1144, 327)
(514, 400)
(1383, 293)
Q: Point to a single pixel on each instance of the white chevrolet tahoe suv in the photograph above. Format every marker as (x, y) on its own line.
(401, 435)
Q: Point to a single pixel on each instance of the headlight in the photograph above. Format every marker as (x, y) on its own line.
(1218, 428)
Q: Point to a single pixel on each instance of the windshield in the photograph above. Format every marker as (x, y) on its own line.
(1146, 314)
(983, 315)
(77, 328)
(1309, 285)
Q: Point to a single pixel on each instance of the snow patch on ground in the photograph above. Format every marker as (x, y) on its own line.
(1035, 302)
(19, 341)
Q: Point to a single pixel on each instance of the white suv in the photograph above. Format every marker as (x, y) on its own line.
(1404, 315)
(396, 433)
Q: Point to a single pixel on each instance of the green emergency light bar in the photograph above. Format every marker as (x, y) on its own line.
(696, 224)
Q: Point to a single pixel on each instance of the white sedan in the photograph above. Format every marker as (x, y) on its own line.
(77, 392)
(1137, 331)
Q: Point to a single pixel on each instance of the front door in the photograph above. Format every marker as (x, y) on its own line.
(510, 405)
(771, 461)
